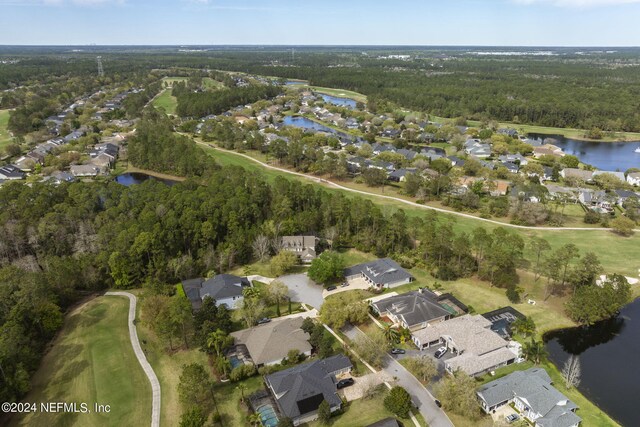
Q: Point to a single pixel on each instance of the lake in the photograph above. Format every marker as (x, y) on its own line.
(341, 102)
(132, 178)
(609, 357)
(609, 156)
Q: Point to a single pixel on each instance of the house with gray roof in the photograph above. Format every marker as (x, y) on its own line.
(381, 273)
(225, 289)
(11, 172)
(533, 394)
(400, 175)
(387, 422)
(476, 148)
(303, 246)
(413, 310)
(270, 343)
(300, 390)
(476, 347)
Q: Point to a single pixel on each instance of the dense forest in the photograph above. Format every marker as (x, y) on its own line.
(567, 90)
(201, 104)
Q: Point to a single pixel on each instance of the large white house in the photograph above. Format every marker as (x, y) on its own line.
(225, 289)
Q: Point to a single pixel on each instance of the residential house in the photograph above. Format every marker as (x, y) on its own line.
(598, 201)
(11, 172)
(300, 390)
(400, 175)
(476, 148)
(84, 170)
(623, 195)
(477, 348)
(303, 246)
(413, 310)
(531, 392)
(498, 187)
(633, 178)
(509, 132)
(573, 173)
(514, 158)
(381, 273)
(387, 422)
(381, 148)
(59, 177)
(547, 150)
(270, 343)
(619, 175)
(456, 161)
(25, 164)
(408, 154)
(225, 289)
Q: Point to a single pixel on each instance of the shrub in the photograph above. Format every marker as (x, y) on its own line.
(242, 372)
(398, 401)
(591, 217)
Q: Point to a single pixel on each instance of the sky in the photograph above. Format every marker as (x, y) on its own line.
(321, 22)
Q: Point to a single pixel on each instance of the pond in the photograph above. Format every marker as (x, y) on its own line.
(341, 102)
(295, 82)
(132, 178)
(609, 357)
(304, 123)
(609, 156)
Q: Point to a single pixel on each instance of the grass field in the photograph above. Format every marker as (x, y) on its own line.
(340, 93)
(167, 101)
(605, 244)
(5, 138)
(92, 361)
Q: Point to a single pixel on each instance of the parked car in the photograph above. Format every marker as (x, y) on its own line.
(511, 418)
(264, 320)
(344, 284)
(397, 351)
(440, 352)
(438, 404)
(345, 383)
(331, 288)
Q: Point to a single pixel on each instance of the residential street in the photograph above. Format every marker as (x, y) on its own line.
(434, 416)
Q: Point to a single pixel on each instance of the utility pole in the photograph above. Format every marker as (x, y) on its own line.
(100, 69)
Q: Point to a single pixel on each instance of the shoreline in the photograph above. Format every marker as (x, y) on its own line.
(133, 169)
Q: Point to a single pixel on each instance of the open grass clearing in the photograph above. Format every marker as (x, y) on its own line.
(92, 361)
(361, 412)
(166, 101)
(5, 136)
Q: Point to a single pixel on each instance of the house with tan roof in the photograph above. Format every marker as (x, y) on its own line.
(270, 343)
(303, 246)
(477, 348)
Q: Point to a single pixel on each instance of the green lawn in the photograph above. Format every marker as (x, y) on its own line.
(92, 361)
(5, 138)
(361, 412)
(340, 93)
(167, 101)
(211, 84)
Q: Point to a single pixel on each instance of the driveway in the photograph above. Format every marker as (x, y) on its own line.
(303, 289)
(434, 416)
(429, 352)
(357, 283)
(365, 383)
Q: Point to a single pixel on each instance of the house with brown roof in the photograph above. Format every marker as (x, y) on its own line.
(548, 150)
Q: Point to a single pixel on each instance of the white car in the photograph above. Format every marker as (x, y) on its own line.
(440, 352)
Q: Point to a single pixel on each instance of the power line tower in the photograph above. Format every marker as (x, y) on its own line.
(100, 69)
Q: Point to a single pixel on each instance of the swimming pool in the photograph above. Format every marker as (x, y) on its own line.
(235, 361)
(268, 415)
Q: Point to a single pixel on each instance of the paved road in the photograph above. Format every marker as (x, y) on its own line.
(303, 289)
(434, 416)
(153, 379)
(397, 199)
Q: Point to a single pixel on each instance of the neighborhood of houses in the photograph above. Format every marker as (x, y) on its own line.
(408, 147)
(440, 328)
(88, 160)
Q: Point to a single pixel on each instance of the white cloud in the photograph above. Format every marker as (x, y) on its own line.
(578, 3)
